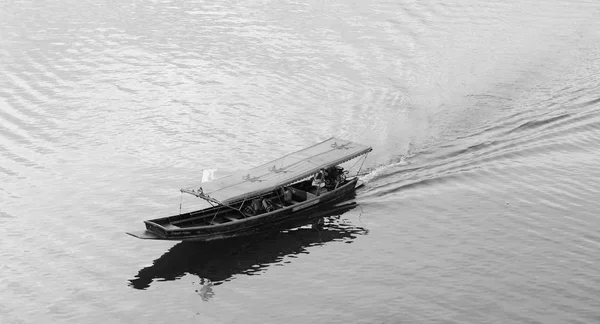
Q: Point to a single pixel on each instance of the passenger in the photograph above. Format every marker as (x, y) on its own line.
(287, 196)
(249, 210)
(256, 206)
(319, 179)
(336, 177)
(267, 205)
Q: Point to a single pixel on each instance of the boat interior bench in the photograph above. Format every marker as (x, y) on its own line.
(300, 195)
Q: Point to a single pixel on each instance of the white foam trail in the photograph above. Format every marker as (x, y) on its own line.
(381, 170)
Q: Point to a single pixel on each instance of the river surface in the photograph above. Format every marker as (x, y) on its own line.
(482, 200)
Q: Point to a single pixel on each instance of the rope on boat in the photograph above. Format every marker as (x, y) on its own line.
(361, 165)
(363, 162)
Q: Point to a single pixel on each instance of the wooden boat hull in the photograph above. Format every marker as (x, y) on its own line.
(296, 215)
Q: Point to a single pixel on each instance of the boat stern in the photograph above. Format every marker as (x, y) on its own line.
(145, 235)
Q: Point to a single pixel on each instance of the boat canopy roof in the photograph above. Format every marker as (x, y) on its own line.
(282, 171)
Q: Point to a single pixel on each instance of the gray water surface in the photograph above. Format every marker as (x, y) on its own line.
(481, 204)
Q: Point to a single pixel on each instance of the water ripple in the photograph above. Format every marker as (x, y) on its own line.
(483, 117)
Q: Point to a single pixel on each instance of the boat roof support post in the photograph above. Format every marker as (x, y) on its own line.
(280, 192)
(180, 203)
(215, 216)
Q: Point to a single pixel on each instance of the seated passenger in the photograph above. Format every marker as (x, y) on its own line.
(256, 206)
(287, 196)
(249, 210)
(319, 179)
(337, 177)
(267, 205)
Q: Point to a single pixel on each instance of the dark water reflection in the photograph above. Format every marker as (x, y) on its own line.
(219, 261)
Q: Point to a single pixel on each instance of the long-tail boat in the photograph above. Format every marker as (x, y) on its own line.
(291, 191)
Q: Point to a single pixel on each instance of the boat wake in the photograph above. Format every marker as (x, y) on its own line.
(506, 144)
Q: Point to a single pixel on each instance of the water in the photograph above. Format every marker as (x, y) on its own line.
(481, 206)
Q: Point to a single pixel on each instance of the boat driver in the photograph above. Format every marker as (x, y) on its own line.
(335, 177)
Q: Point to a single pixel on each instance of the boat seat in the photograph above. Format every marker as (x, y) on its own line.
(278, 205)
(232, 218)
(216, 221)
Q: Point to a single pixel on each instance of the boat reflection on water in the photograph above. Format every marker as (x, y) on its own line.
(218, 261)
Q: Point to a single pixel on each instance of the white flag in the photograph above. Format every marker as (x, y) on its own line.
(208, 175)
